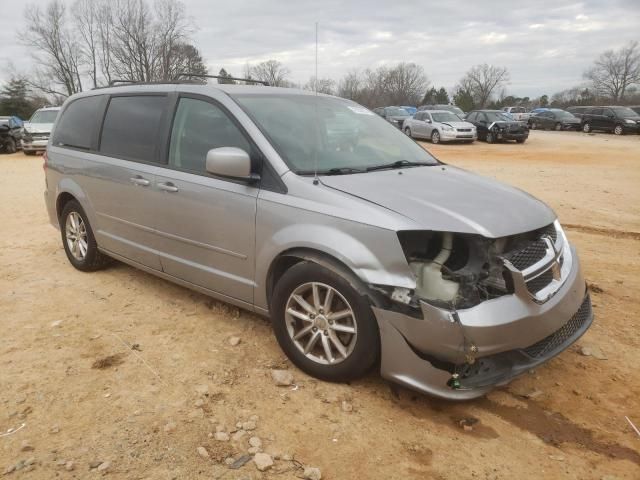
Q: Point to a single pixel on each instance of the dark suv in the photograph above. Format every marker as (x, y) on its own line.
(10, 134)
(619, 120)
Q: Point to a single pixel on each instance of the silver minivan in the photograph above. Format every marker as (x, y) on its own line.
(363, 249)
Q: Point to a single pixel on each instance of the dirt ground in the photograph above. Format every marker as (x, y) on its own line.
(129, 371)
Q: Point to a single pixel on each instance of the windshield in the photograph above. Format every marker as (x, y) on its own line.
(445, 117)
(498, 117)
(44, 116)
(624, 112)
(335, 133)
(396, 112)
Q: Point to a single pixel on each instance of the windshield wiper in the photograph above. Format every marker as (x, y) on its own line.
(342, 171)
(398, 164)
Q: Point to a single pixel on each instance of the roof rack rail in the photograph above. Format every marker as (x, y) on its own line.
(201, 75)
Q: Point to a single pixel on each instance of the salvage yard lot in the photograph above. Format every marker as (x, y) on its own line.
(68, 372)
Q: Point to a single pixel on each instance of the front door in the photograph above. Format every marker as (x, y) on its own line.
(206, 225)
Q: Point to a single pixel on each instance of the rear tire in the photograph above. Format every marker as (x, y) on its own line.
(586, 127)
(361, 347)
(79, 241)
(533, 126)
(29, 152)
(435, 137)
(618, 130)
(407, 132)
(558, 127)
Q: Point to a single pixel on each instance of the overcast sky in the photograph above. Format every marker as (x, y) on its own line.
(545, 44)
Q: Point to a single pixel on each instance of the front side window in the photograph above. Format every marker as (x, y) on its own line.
(78, 124)
(131, 127)
(329, 132)
(198, 127)
(624, 112)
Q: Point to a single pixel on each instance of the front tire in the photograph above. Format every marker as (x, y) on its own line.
(533, 126)
(558, 127)
(10, 146)
(78, 239)
(490, 138)
(325, 327)
(407, 132)
(586, 128)
(435, 137)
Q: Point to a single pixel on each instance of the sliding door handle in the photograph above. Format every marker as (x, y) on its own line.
(168, 187)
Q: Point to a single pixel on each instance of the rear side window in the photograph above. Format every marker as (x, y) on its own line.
(79, 122)
(198, 127)
(131, 127)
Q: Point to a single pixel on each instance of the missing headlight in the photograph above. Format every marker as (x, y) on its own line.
(455, 270)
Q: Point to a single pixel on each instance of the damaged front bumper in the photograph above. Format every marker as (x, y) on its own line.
(488, 344)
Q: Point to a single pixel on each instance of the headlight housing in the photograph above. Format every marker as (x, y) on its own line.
(629, 121)
(447, 128)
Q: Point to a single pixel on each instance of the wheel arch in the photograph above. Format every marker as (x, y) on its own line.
(288, 258)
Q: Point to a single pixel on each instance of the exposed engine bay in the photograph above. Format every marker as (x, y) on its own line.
(458, 271)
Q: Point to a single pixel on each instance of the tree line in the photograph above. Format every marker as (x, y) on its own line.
(95, 42)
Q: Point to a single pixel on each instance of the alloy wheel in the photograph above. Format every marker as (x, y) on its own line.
(76, 235)
(618, 130)
(435, 137)
(321, 323)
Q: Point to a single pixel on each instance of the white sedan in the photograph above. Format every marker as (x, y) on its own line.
(439, 126)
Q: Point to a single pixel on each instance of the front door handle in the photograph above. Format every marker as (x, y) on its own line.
(138, 180)
(168, 187)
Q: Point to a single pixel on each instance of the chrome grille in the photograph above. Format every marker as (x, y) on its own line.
(532, 253)
(558, 338)
(538, 283)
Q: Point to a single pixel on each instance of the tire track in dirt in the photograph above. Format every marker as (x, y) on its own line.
(609, 232)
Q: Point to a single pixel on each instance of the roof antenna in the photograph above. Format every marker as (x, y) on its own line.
(315, 87)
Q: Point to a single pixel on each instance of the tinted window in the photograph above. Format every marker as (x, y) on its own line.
(79, 122)
(131, 127)
(471, 117)
(198, 127)
(596, 111)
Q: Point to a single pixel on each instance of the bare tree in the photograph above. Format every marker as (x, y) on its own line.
(86, 23)
(481, 81)
(271, 71)
(614, 72)
(324, 85)
(185, 59)
(171, 30)
(54, 48)
(350, 86)
(405, 84)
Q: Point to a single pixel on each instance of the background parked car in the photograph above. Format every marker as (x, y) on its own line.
(578, 111)
(409, 109)
(450, 108)
(496, 126)
(38, 129)
(635, 108)
(394, 115)
(517, 113)
(554, 119)
(619, 120)
(439, 126)
(10, 134)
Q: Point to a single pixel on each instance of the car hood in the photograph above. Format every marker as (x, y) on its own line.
(505, 123)
(445, 198)
(38, 127)
(457, 124)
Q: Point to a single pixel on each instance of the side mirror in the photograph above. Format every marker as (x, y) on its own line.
(427, 120)
(231, 162)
